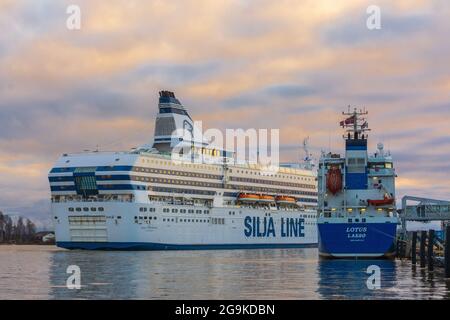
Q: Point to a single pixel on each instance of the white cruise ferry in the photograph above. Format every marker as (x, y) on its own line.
(144, 199)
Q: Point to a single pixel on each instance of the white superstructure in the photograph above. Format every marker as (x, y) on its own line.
(144, 199)
(357, 207)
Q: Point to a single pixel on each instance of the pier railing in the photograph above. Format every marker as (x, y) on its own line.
(424, 209)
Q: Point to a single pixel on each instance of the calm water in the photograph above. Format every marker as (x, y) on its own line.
(39, 272)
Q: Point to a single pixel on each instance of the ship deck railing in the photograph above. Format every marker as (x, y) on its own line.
(91, 200)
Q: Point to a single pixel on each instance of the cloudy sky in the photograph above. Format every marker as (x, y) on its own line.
(287, 64)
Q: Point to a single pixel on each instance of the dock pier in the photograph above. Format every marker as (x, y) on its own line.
(447, 252)
(430, 249)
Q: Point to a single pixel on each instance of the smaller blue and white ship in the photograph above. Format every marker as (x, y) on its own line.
(356, 201)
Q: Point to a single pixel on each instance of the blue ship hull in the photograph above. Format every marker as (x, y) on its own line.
(162, 246)
(365, 240)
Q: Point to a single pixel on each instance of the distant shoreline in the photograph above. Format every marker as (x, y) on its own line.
(27, 244)
(36, 248)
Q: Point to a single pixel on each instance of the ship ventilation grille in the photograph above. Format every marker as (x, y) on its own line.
(164, 126)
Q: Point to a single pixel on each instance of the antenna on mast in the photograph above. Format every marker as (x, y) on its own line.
(356, 124)
(305, 146)
(307, 160)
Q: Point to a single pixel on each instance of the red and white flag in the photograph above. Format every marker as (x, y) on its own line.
(348, 121)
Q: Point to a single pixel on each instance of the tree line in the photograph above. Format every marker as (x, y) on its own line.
(20, 231)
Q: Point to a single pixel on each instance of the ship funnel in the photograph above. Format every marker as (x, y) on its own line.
(168, 97)
(173, 125)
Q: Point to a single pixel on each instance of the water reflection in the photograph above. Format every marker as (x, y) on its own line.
(40, 273)
(347, 279)
(241, 274)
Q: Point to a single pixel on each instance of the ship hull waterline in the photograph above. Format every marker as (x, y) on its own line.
(150, 246)
(363, 241)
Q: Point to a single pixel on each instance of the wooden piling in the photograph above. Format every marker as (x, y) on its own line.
(413, 247)
(430, 250)
(397, 247)
(402, 253)
(403, 248)
(408, 245)
(447, 251)
(423, 236)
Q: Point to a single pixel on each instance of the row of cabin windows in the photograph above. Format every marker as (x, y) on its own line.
(186, 191)
(144, 218)
(376, 165)
(204, 151)
(357, 220)
(292, 177)
(277, 183)
(218, 220)
(193, 220)
(86, 209)
(178, 173)
(184, 165)
(184, 211)
(214, 220)
(165, 210)
(176, 181)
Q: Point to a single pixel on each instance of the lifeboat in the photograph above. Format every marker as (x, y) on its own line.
(383, 202)
(285, 199)
(248, 197)
(334, 180)
(266, 198)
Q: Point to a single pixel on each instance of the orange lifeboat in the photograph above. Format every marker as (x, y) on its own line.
(248, 197)
(334, 180)
(284, 199)
(383, 202)
(266, 198)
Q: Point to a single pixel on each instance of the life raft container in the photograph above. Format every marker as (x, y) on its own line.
(334, 180)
